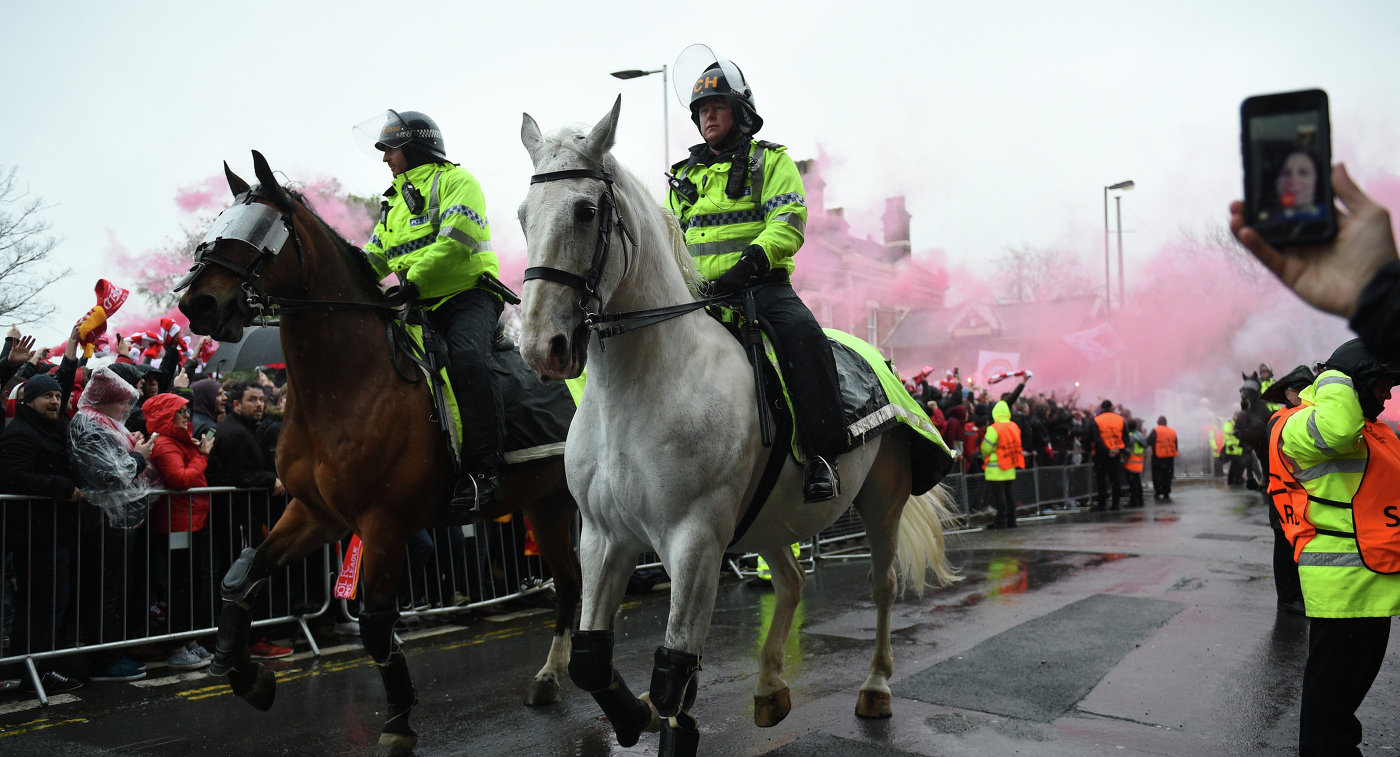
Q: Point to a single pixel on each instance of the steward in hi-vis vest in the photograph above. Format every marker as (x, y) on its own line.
(433, 234)
(1335, 481)
(1107, 431)
(1162, 441)
(741, 205)
(1001, 449)
(1132, 467)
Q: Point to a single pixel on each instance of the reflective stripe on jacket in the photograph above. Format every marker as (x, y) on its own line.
(772, 212)
(444, 249)
(1335, 480)
(1165, 442)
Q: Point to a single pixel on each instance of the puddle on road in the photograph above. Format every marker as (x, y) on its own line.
(990, 575)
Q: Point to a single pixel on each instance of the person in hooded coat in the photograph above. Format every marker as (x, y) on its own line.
(180, 463)
(208, 406)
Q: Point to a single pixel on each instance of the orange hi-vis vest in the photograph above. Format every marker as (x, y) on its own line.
(1375, 510)
(1009, 453)
(1110, 429)
(1166, 442)
(1133, 463)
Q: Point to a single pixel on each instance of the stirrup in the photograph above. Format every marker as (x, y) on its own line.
(820, 481)
(485, 489)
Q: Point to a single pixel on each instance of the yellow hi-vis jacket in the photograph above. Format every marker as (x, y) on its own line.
(1325, 448)
(1001, 446)
(446, 247)
(772, 212)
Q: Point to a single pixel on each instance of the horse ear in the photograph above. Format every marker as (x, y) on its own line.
(267, 181)
(530, 135)
(604, 133)
(236, 185)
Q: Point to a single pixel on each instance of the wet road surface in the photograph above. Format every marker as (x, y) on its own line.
(1142, 632)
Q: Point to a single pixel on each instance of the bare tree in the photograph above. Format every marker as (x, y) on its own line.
(25, 247)
(1031, 274)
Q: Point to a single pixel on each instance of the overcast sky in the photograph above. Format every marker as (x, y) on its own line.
(1001, 122)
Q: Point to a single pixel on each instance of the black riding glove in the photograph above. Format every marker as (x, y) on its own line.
(750, 265)
(405, 293)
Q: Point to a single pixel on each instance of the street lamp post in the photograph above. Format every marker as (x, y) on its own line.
(1107, 292)
(634, 73)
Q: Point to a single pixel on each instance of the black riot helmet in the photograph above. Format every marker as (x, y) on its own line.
(1366, 373)
(408, 129)
(724, 79)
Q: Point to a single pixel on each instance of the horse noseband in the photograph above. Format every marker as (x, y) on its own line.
(608, 214)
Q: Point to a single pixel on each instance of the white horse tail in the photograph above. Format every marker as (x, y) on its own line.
(921, 544)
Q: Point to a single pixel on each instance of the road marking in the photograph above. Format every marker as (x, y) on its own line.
(20, 729)
(30, 704)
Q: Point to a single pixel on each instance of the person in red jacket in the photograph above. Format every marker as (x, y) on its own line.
(186, 551)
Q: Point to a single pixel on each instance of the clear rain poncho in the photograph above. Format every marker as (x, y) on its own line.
(101, 450)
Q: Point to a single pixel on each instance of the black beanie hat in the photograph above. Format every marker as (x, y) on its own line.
(38, 385)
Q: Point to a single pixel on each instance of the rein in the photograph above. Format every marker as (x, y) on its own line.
(609, 213)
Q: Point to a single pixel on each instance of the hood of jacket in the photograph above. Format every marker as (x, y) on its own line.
(160, 415)
(1001, 413)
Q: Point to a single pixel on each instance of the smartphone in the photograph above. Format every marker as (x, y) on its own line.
(1286, 140)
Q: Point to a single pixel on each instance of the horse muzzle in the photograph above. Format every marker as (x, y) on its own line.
(223, 321)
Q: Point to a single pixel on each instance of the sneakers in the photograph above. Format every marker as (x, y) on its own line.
(187, 659)
(203, 653)
(56, 683)
(266, 650)
(121, 669)
(476, 491)
(820, 481)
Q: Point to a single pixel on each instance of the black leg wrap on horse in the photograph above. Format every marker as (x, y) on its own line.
(672, 679)
(590, 668)
(590, 662)
(628, 714)
(377, 634)
(680, 740)
(245, 575)
(231, 644)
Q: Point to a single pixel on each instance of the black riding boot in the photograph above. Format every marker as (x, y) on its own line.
(820, 482)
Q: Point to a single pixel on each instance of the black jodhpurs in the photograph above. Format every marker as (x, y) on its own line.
(467, 322)
(805, 356)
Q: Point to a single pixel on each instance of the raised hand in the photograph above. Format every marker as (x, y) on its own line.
(1329, 276)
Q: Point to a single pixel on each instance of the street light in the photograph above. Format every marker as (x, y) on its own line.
(1107, 293)
(636, 73)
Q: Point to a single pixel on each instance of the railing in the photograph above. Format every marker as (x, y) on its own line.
(70, 584)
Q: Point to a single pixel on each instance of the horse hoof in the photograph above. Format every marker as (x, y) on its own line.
(771, 709)
(395, 744)
(873, 704)
(258, 688)
(542, 693)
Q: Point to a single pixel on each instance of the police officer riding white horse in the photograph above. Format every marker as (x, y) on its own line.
(741, 204)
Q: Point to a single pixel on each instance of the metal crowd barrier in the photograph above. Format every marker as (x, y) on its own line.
(72, 585)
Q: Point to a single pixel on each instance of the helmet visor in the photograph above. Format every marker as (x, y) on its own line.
(694, 61)
(383, 132)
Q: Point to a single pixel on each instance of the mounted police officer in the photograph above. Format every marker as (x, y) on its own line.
(743, 209)
(433, 234)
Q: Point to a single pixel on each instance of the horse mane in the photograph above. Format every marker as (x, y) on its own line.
(359, 265)
(634, 196)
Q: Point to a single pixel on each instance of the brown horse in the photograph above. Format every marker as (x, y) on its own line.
(358, 452)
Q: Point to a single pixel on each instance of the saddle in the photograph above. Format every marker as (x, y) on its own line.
(537, 414)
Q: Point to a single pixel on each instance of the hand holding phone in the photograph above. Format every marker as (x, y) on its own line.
(1286, 142)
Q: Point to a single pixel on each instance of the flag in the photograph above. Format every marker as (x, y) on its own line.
(1095, 344)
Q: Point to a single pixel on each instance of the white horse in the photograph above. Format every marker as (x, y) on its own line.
(665, 452)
